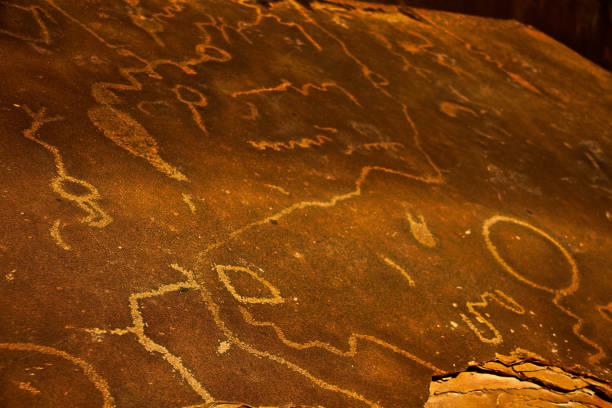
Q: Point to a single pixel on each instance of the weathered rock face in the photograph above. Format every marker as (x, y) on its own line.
(584, 25)
(517, 381)
(207, 201)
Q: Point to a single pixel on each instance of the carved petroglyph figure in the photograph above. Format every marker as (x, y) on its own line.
(559, 293)
(130, 135)
(420, 231)
(87, 201)
(87, 369)
(498, 297)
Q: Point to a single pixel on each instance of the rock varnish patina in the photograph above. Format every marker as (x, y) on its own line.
(323, 204)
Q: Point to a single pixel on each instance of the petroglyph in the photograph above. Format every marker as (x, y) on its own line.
(304, 90)
(142, 106)
(452, 109)
(96, 217)
(352, 343)
(37, 14)
(559, 294)
(189, 201)
(87, 369)
(224, 347)
(278, 188)
(498, 297)
(293, 64)
(486, 231)
(27, 386)
(487, 57)
(130, 135)
(55, 234)
(199, 101)
(153, 23)
(393, 146)
(365, 172)
(606, 311)
(303, 143)
(138, 329)
(420, 231)
(222, 272)
(398, 268)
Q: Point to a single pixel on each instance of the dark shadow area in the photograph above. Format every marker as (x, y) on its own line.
(583, 25)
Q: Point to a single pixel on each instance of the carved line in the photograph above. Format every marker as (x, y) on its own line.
(503, 300)
(36, 11)
(189, 201)
(401, 270)
(138, 329)
(352, 343)
(99, 382)
(304, 143)
(96, 217)
(304, 90)
(559, 293)
(365, 171)
(55, 234)
(274, 300)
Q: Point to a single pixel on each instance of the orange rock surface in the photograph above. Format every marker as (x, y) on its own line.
(286, 204)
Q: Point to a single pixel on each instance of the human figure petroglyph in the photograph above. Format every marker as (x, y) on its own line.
(96, 217)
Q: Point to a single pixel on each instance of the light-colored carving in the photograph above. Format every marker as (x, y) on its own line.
(559, 294)
(498, 297)
(398, 268)
(437, 178)
(352, 343)
(452, 109)
(138, 329)
(37, 13)
(224, 278)
(303, 143)
(96, 217)
(138, 326)
(199, 102)
(278, 188)
(420, 231)
(130, 135)
(304, 90)
(605, 311)
(87, 369)
(27, 386)
(55, 234)
(189, 201)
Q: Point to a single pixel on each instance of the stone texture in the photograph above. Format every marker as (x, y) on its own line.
(279, 204)
(485, 385)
